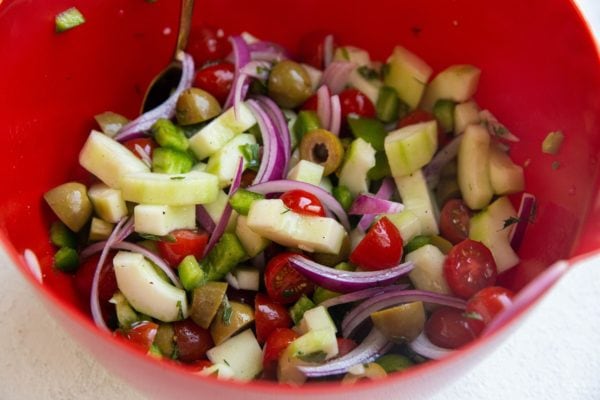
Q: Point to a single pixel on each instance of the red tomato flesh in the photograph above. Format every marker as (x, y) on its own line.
(207, 43)
(284, 284)
(454, 221)
(381, 248)
(488, 302)
(276, 343)
(469, 267)
(312, 49)
(354, 102)
(303, 202)
(192, 341)
(216, 79)
(345, 346)
(269, 316)
(449, 328)
(141, 334)
(107, 284)
(185, 242)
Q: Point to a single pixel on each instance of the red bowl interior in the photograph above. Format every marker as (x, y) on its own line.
(540, 74)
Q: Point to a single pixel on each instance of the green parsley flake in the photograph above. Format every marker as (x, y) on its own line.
(552, 142)
(68, 19)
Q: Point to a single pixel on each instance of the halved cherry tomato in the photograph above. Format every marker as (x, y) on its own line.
(469, 267)
(107, 284)
(454, 221)
(284, 284)
(145, 143)
(488, 302)
(450, 328)
(303, 202)
(207, 43)
(185, 242)
(381, 248)
(276, 343)
(216, 79)
(311, 104)
(356, 103)
(141, 334)
(269, 316)
(345, 346)
(312, 48)
(192, 341)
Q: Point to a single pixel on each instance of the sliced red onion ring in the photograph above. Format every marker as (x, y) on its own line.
(258, 261)
(324, 106)
(284, 185)
(283, 132)
(270, 56)
(495, 128)
(145, 156)
(266, 46)
(126, 230)
(224, 220)
(370, 204)
(336, 115)
(391, 298)
(360, 295)
(328, 50)
(273, 160)
(205, 220)
(421, 345)
(433, 170)
(257, 69)
(347, 281)
(385, 191)
(241, 57)
(373, 346)
(92, 249)
(336, 75)
(525, 216)
(145, 121)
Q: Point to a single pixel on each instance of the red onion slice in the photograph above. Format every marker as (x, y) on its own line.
(336, 115)
(324, 106)
(241, 57)
(284, 185)
(373, 346)
(421, 345)
(360, 295)
(273, 160)
(166, 110)
(368, 204)
(433, 170)
(347, 281)
(386, 190)
(224, 220)
(391, 298)
(257, 69)
(282, 129)
(336, 75)
(205, 220)
(328, 50)
(525, 216)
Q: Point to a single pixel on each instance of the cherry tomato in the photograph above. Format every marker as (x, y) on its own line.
(311, 104)
(469, 267)
(216, 79)
(356, 103)
(345, 346)
(145, 143)
(192, 340)
(185, 242)
(284, 284)
(381, 247)
(269, 316)
(489, 302)
(449, 328)
(312, 49)
(207, 43)
(276, 343)
(141, 334)
(107, 284)
(418, 116)
(303, 202)
(454, 221)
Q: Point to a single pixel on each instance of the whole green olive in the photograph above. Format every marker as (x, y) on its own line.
(289, 84)
(196, 105)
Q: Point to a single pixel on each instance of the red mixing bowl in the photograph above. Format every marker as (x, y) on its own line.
(541, 73)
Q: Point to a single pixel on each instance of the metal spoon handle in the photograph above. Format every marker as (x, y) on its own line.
(185, 23)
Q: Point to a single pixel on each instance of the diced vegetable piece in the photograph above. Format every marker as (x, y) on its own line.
(229, 320)
(165, 340)
(253, 242)
(61, 236)
(211, 138)
(352, 54)
(100, 229)
(170, 189)
(410, 148)
(108, 159)
(381, 168)
(417, 198)
(68, 19)
(315, 319)
(66, 259)
(71, 204)
(314, 74)
(300, 307)
(110, 123)
(368, 129)
(306, 171)
(108, 202)
(307, 121)
(408, 224)
(443, 110)
(273, 220)
(314, 345)
(402, 323)
(343, 195)
(408, 74)
(224, 162)
(473, 167)
(360, 158)
(126, 315)
(206, 301)
(227, 253)
(321, 294)
(215, 211)
(169, 135)
(552, 142)
(388, 104)
(506, 177)
(146, 291)
(465, 114)
(370, 371)
(428, 273)
(241, 353)
(242, 199)
(160, 220)
(394, 362)
(457, 82)
(247, 278)
(190, 273)
(368, 87)
(170, 161)
(195, 105)
(488, 227)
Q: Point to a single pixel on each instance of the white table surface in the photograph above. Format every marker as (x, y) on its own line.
(555, 354)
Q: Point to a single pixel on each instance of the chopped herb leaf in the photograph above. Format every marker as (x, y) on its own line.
(385, 70)
(345, 53)
(420, 81)
(226, 362)
(175, 354)
(177, 178)
(250, 153)
(287, 210)
(68, 19)
(156, 238)
(556, 165)
(368, 73)
(227, 311)
(510, 221)
(180, 308)
(317, 357)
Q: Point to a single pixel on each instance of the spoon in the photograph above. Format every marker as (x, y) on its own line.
(161, 86)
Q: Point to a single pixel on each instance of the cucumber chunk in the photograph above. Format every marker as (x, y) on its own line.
(457, 82)
(252, 242)
(306, 171)
(410, 148)
(418, 199)
(506, 177)
(473, 167)
(360, 158)
(408, 74)
(223, 164)
(428, 273)
(241, 353)
(465, 114)
(108, 202)
(316, 318)
(159, 220)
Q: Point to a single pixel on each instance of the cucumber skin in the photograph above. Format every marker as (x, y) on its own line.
(473, 167)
